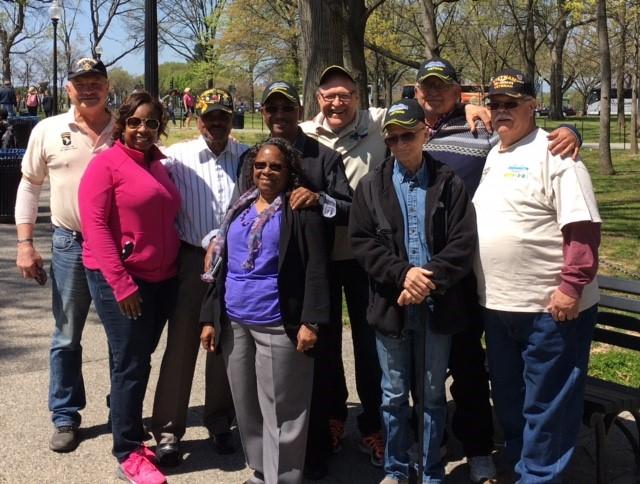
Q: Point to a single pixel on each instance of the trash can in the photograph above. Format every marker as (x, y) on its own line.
(10, 174)
(238, 120)
(22, 126)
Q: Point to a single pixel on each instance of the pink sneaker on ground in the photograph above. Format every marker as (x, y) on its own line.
(149, 454)
(137, 469)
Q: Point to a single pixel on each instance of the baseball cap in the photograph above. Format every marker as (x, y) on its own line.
(215, 99)
(86, 66)
(406, 113)
(511, 82)
(281, 87)
(335, 69)
(437, 67)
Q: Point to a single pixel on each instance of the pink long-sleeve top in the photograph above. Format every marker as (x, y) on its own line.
(124, 198)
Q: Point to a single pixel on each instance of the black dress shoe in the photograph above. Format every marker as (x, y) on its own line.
(222, 443)
(168, 455)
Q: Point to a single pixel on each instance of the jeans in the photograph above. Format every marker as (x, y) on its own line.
(538, 369)
(131, 342)
(70, 301)
(398, 361)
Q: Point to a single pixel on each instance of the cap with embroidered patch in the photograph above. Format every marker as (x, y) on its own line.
(335, 69)
(87, 66)
(215, 99)
(406, 113)
(281, 87)
(511, 82)
(437, 67)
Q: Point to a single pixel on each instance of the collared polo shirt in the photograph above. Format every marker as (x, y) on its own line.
(206, 182)
(60, 149)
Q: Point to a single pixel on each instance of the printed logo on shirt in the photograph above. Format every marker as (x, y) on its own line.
(517, 172)
(66, 141)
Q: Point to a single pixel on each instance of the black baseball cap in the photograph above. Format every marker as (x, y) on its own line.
(86, 66)
(511, 82)
(437, 67)
(281, 87)
(215, 99)
(335, 69)
(406, 113)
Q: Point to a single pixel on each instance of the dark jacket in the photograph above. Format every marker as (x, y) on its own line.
(323, 172)
(303, 285)
(451, 236)
(8, 95)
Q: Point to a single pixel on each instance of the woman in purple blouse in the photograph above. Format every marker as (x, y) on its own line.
(269, 293)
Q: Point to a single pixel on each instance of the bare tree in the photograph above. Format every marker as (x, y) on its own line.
(104, 14)
(606, 165)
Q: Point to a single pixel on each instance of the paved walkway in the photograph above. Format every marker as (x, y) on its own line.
(25, 331)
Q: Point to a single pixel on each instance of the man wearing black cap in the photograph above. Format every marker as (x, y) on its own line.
(205, 171)
(450, 141)
(325, 186)
(412, 229)
(60, 148)
(538, 233)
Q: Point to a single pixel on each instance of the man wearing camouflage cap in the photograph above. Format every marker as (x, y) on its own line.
(205, 171)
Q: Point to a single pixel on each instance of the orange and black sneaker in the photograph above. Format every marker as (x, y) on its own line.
(336, 430)
(373, 445)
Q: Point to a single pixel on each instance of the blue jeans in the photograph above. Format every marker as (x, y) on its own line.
(70, 301)
(397, 359)
(131, 342)
(538, 368)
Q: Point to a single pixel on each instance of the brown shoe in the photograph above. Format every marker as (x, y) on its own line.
(64, 439)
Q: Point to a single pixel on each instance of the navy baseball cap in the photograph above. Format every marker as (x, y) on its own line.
(511, 82)
(438, 67)
(406, 113)
(86, 66)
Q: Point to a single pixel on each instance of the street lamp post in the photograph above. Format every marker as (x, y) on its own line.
(99, 52)
(151, 47)
(55, 12)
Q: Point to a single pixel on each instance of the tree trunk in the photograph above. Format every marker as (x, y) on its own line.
(321, 27)
(634, 110)
(375, 86)
(431, 47)
(557, 66)
(354, 26)
(530, 42)
(606, 166)
(622, 57)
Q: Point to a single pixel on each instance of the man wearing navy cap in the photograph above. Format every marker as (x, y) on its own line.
(60, 148)
(413, 229)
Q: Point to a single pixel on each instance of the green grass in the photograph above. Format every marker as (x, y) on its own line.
(589, 128)
(621, 366)
(249, 136)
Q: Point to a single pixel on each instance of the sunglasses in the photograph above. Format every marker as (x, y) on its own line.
(262, 165)
(284, 109)
(508, 105)
(134, 122)
(406, 138)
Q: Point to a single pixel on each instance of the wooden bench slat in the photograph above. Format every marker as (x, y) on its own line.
(619, 321)
(620, 303)
(621, 285)
(615, 338)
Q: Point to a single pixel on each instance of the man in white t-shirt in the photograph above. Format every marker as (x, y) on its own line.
(539, 231)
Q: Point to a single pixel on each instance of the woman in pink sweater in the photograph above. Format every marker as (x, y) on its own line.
(128, 206)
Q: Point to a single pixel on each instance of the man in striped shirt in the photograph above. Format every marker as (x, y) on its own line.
(205, 170)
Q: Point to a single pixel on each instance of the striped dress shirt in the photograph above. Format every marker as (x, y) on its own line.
(205, 182)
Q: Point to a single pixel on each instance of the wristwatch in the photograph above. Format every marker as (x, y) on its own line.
(312, 326)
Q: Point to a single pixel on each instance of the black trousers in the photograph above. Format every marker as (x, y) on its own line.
(472, 421)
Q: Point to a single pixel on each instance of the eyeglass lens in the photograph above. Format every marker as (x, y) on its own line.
(404, 137)
(134, 122)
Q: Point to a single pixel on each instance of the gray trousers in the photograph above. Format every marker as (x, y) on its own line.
(271, 386)
(173, 390)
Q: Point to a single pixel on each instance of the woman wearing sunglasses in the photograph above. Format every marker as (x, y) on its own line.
(263, 309)
(128, 206)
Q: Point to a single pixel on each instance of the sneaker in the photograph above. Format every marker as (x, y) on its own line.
(481, 468)
(336, 430)
(137, 469)
(148, 454)
(64, 439)
(373, 445)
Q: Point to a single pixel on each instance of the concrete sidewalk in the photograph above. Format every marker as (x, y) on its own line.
(25, 330)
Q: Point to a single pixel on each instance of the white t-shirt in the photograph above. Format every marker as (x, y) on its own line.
(526, 195)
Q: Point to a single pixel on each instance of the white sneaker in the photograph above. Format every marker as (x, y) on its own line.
(481, 468)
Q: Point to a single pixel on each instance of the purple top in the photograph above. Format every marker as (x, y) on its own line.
(251, 295)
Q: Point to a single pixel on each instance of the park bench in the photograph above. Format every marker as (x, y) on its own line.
(618, 324)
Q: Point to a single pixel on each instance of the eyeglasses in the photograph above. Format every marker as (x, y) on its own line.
(344, 97)
(508, 105)
(133, 122)
(435, 86)
(406, 138)
(262, 165)
(285, 109)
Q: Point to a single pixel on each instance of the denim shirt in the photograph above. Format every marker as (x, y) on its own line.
(411, 191)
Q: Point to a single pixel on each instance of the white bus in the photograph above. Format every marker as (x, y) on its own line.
(593, 102)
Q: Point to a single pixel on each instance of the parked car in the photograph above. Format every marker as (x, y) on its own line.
(568, 111)
(542, 112)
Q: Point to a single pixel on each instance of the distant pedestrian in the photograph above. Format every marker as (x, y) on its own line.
(47, 103)
(169, 103)
(8, 98)
(188, 103)
(32, 101)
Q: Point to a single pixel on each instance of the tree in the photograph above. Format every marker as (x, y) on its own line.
(104, 13)
(606, 166)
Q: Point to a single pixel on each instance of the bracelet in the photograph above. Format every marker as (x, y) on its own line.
(24, 241)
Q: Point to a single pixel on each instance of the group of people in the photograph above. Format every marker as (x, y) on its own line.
(32, 101)
(247, 252)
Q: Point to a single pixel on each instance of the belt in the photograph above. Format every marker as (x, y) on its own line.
(75, 235)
